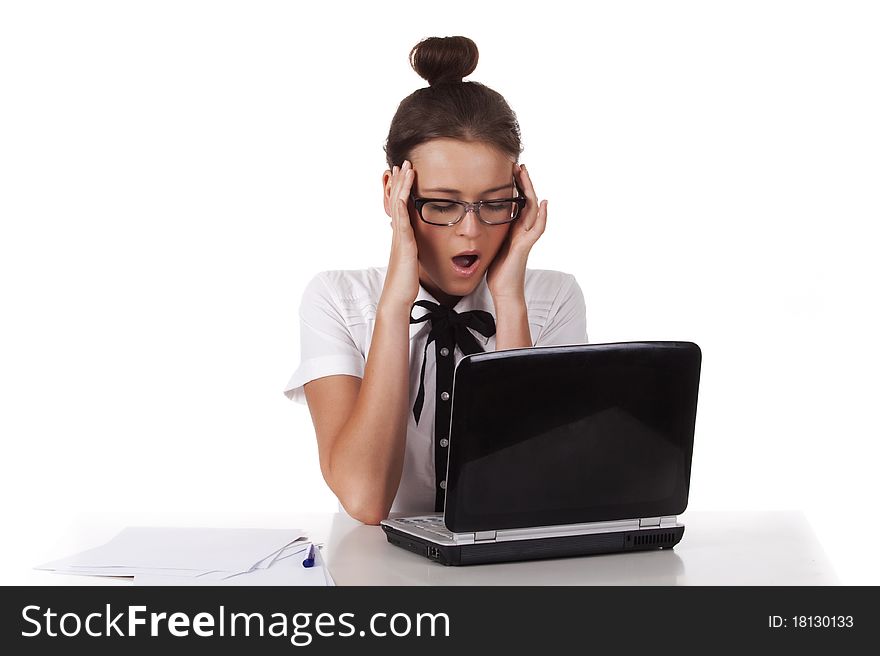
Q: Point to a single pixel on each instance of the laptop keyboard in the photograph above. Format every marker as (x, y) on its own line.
(432, 524)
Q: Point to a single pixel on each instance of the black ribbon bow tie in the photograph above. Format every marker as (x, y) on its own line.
(446, 321)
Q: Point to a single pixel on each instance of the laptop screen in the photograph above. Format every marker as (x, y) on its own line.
(571, 434)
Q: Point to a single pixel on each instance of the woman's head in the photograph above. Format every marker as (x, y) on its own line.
(459, 136)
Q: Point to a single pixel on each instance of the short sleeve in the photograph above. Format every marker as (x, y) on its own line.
(568, 324)
(327, 347)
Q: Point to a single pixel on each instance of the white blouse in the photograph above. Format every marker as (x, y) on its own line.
(337, 317)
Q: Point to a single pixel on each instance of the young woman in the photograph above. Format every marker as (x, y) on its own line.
(464, 217)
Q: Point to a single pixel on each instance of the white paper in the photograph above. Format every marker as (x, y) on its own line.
(193, 549)
(131, 571)
(289, 550)
(200, 556)
(284, 571)
(299, 551)
(319, 558)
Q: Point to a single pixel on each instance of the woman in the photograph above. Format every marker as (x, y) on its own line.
(378, 396)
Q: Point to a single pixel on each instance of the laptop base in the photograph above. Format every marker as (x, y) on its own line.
(537, 548)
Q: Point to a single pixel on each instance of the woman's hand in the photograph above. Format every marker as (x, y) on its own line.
(506, 276)
(402, 277)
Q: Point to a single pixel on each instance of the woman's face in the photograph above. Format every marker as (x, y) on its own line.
(470, 171)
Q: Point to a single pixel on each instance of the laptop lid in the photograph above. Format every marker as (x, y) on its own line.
(571, 434)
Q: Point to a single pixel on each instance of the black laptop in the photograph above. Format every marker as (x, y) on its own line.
(563, 451)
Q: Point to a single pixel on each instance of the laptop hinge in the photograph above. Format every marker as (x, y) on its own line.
(649, 522)
(484, 536)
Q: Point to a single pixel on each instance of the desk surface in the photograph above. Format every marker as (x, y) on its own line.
(718, 548)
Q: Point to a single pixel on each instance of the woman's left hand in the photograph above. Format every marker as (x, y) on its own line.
(506, 275)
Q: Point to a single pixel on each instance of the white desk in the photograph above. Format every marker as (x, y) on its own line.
(718, 548)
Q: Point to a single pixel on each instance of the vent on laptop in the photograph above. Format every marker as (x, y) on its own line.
(659, 539)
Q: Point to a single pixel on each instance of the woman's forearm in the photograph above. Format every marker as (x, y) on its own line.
(511, 324)
(366, 461)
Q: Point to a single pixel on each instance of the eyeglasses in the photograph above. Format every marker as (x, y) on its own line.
(445, 212)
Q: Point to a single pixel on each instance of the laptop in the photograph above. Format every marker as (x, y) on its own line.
(563, 451)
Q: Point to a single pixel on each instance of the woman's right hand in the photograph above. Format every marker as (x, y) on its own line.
(402, 279)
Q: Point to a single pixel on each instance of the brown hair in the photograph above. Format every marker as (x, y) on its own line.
(449, 107)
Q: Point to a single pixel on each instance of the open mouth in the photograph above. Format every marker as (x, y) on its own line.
(466, 265)
(465, 261)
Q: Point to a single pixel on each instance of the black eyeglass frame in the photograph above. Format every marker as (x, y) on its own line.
(520, 200)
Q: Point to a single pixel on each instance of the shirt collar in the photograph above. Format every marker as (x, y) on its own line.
(479, 299)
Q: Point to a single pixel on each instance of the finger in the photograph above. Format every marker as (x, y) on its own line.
(541, 221)
(526, 185)
(404, 184)
(393, 193)
(394, 197)
(406, 180)
(525, 182)
(398, 180)
(395, 183)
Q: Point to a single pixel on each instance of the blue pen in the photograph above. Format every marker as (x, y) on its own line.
(310, 559)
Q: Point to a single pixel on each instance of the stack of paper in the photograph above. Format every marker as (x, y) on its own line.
(201, 556)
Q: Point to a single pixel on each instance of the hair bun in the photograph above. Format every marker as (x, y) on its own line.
(444, 59)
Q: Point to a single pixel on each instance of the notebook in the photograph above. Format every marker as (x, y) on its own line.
(563, 451)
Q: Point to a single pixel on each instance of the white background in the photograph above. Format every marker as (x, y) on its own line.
(173, 173)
